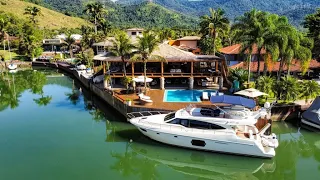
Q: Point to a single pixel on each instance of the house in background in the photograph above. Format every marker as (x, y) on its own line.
(187, 43)
(134, 32)
(52, 45)
(102, 47)
(234, 56)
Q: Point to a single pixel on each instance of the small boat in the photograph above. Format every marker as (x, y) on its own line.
(12, 66)
(311, 116)
(229, 129)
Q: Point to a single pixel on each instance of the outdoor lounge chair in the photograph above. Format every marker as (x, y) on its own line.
(142, 96)
(146, 101)
(205, 96)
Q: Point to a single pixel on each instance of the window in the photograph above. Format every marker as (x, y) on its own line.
(175, 121)
(214, 126)
(133, 33)
(199, 124)
(184, 122)
(203, 125)
(169, 116)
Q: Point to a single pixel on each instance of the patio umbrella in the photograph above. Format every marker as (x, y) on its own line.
(252, 93)
(140, 79)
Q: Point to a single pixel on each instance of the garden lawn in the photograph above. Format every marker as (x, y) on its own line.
(14, 55)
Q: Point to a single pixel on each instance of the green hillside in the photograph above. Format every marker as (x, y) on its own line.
(295, 10)
(148, 15)
(49, 19)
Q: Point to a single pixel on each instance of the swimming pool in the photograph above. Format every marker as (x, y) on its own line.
(184, 95)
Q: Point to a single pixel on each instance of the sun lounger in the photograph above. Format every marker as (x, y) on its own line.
(205, 96)
(146, 101)
(142, 96)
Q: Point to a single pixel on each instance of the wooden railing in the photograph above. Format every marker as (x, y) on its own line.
(165, 74)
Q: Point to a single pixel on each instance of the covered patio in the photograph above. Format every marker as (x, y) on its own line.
(180, 68)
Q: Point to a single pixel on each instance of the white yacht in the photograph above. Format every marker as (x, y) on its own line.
(228, 129)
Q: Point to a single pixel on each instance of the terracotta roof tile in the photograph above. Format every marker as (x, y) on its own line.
(295, 66)
(235, 49)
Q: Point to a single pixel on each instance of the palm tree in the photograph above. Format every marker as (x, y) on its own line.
(309, 89)
(287, 88)
(273, 39)
(97, 10)
(69, 42)
(33, 11)
(265, 84)
(146, 45)
(303, 53)
(252, 28)
(74, 96)
(214, 24)
(43, 101)
(239, 74)
(123, 47)
(3, 26)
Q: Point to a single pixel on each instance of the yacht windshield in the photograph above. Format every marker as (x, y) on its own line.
(169, 116)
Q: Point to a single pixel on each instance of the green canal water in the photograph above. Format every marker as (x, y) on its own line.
(50, 129)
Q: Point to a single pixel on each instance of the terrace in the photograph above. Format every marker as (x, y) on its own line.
(179, 66)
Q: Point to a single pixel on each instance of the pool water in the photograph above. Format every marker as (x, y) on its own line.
(184, 95)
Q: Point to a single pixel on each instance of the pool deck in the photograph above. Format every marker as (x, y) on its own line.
(156, 96)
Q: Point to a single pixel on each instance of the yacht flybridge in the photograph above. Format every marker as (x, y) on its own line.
(229, 129)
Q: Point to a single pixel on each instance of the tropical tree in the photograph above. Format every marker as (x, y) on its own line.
(294, 46)
(126, 82)
(265, 84)
(30, 41)
(74, 96)
(311, 22)
(33, 12)
(287, 88)
(43, 100)
(310, 89)
(238, 74)
(146, 45)
(123, 47)
(86, 57)
(69, 42)
(214, 24)
(97, 10)
(3, 26)
(252, 28)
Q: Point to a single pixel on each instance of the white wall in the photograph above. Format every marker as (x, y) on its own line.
(191, 44)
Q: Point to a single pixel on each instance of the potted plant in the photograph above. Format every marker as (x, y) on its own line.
(126, 81)
(106, 82)
(128, 102)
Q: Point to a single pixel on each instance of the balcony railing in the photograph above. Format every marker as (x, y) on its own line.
(165, 74)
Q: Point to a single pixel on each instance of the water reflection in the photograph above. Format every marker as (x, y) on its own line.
(13, 85)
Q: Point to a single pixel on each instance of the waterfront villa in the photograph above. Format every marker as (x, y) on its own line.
(181, 69)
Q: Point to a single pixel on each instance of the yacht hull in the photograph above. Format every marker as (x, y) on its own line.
(306, 122)
(223, 145)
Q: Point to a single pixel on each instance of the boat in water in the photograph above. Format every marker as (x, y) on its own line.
(311, 116)
(228, 129)
(12, 66)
